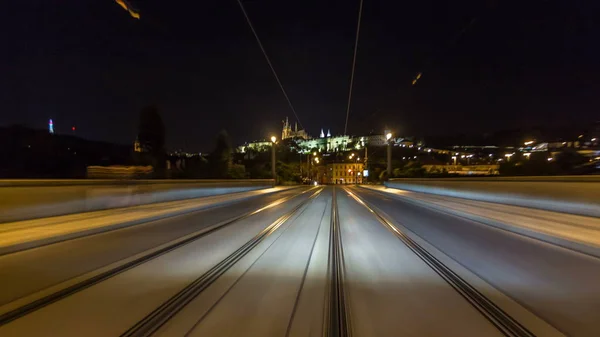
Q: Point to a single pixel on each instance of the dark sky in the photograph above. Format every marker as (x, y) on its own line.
(89, 64)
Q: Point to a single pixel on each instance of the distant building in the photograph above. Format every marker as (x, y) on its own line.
(287, 131)
(345, 173)
(325, 142)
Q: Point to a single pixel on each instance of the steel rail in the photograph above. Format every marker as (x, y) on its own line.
(337, 316)
(35, 305)
(506, 324)
(157, 318)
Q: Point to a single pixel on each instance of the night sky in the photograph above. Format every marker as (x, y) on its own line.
(487, 65)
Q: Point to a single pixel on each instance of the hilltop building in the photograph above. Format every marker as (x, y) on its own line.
(325, 143)
(287, 131)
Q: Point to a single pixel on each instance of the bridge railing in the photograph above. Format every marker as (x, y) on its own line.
(28, 199)
(567, 194)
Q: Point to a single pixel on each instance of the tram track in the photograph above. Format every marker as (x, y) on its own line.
(500, 319)
(14, 313)
(161, 315)
(337, 316)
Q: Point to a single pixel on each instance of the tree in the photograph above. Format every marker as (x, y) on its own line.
(568, 160)
(288, 172)
(151, 132)
(220, 159)
(151, 135)
(383, 176)
(237, 171)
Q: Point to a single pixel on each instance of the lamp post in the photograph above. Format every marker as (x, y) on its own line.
(389, 154)
(273, 173)
(309, 163)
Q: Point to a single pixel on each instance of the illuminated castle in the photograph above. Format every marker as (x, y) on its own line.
(324, 143)
(287, 131)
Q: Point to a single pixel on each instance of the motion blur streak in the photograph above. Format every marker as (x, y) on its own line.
(261, 265)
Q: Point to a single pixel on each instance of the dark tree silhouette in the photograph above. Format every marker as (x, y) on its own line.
(221, 157)
(151, 130)
(151, 135)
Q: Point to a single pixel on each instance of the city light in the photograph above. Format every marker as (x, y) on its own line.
(594, 139)
(529, 142)
(549, 158)
(388, 136)
(273, 139)
(314, 153)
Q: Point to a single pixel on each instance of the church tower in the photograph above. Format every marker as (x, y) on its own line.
(287, 130)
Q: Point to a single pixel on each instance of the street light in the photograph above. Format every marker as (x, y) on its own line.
(388, 136)
(273, 173)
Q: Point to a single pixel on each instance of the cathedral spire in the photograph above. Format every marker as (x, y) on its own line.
(328, 133)
(322, 134)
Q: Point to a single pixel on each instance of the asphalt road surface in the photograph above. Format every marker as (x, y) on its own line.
(328, 260)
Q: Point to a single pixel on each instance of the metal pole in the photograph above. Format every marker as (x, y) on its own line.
(389, 159)
(308, 166)
(273, 173)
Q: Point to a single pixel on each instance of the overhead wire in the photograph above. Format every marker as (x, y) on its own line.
(353, 66)
(269, 62)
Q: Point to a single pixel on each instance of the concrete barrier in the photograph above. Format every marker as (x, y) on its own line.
(567, 194)
(28, 199)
